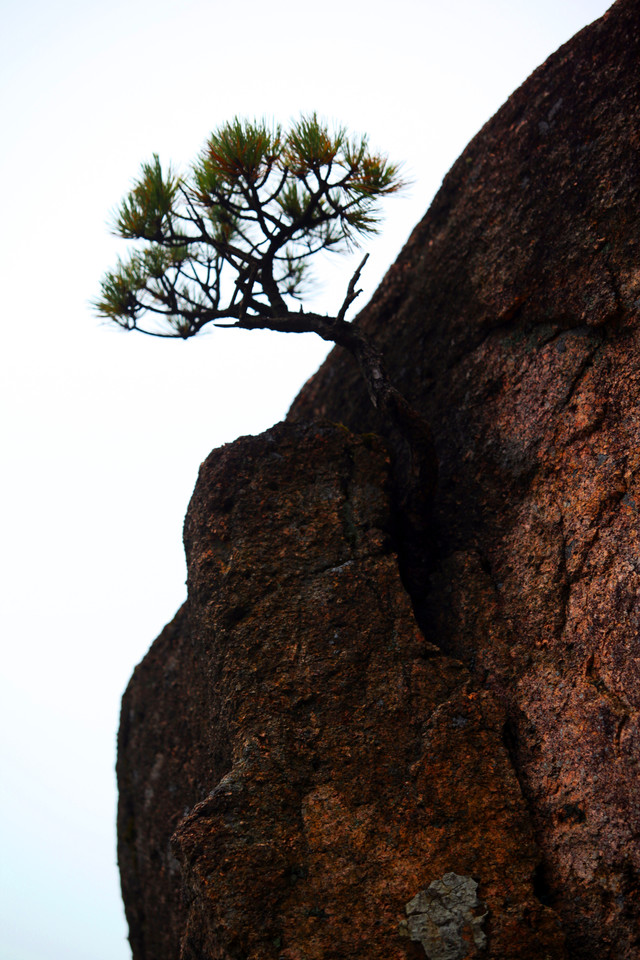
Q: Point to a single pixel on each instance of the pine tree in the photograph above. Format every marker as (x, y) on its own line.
(230, 245)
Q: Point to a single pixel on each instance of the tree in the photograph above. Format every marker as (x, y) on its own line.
(229, 245)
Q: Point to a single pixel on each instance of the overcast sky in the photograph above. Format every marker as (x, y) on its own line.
(103, 431)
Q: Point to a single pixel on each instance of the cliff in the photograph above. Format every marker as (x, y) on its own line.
(314, 764)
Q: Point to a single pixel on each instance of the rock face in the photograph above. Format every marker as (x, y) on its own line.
(296, 762)
(305, 774)
(512, 321)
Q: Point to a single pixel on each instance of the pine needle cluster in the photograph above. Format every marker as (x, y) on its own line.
(233, 239)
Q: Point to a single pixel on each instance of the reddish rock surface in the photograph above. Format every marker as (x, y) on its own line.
(512, 320)
(296, 762)
(317, 762)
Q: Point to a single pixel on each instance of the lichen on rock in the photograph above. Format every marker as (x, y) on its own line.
(447, 918)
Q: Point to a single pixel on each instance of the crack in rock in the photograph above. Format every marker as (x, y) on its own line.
(447, 919)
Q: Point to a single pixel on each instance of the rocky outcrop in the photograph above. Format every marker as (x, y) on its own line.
(306, 774)
(296, 762)
(512, 321)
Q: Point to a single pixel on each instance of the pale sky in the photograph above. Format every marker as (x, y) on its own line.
(103, 431)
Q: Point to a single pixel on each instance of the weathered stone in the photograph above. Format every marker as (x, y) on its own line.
(314, 759)
(511, 320)
(447, 919)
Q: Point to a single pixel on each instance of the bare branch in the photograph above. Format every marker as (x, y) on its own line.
(352, 293)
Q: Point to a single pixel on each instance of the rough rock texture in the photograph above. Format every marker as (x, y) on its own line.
(318, 763)
(512, 320)
(296, 762)
(447, 917)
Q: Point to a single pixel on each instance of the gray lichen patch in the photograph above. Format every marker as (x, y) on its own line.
(447, 919)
